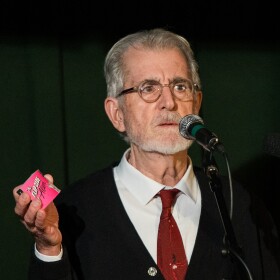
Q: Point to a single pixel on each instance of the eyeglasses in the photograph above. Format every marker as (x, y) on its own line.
(151, 90)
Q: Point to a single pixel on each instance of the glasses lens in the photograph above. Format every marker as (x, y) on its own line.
(150, 91)
(183, 90)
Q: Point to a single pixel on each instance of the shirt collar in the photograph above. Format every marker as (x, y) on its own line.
(144, 189)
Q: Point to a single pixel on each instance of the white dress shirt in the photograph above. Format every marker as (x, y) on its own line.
(138, 195)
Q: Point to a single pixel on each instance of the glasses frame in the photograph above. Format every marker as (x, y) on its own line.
(195, 88)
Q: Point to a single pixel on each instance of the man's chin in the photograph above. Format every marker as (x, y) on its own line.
(167, 149)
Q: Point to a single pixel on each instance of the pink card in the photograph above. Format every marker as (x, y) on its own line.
(37, 186)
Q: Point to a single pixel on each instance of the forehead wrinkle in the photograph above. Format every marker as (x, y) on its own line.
(160, 70)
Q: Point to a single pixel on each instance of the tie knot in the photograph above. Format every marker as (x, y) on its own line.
(167, 197)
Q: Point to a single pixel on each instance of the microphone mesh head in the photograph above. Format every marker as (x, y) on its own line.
(271, 144)
(186, 123)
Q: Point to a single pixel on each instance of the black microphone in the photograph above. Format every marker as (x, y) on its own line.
(192, 127)
(271, 144)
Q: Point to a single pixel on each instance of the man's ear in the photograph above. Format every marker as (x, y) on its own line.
(197, 102)
(114, 113)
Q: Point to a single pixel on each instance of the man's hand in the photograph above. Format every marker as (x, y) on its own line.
(42, 223)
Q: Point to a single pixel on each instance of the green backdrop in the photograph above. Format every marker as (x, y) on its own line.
(52, 119)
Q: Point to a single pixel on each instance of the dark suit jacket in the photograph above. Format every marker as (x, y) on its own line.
(100, 242)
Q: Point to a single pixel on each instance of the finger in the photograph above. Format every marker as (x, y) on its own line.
(40, 220)
(22, 203)
(49, 177)
(17, 191)
(31, 212)
(37, 226)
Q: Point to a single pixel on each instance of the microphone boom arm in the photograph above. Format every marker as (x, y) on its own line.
(230, 242)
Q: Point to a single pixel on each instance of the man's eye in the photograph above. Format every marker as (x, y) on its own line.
(148, 88)
(180, 87)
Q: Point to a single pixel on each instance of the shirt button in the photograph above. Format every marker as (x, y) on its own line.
(152, 271)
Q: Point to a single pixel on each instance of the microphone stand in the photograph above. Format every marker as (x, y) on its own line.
(231, 246)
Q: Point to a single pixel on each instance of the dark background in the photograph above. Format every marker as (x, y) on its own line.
(52, 91)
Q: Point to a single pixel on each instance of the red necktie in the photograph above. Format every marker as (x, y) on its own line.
(171, 256)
